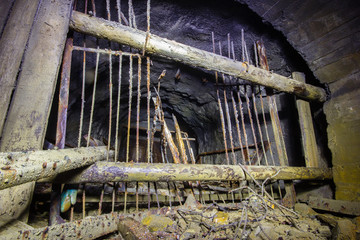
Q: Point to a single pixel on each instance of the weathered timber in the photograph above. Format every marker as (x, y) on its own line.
(12, 45)
(89, 228)
(179, 52)
(103, 172)
(5, 10)
(34, 165)
(307, 128)
(337, 206)
(27, 117)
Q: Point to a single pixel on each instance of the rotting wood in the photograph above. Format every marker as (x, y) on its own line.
(338, 206)
(307, 128)
(27, 118)
(179, 52)
(88, 228)
(12, 46)
(103, 172)
(32, 166)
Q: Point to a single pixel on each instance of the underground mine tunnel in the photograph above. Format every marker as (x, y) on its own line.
(185, 119)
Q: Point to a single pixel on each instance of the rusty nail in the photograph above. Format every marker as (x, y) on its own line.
(5, 167)
(44, 164)
(54, 166)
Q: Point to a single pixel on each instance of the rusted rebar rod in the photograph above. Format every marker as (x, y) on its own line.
(179, 52)
(18, 167)
(103, 172)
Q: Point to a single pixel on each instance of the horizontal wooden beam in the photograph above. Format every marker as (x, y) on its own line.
(87, 228)
(337, 206)
(103, 172)
(156, 45)
(22, 167)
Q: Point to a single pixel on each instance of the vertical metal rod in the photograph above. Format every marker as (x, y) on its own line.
(266, 130)
(110, 106)
(149, 200)
(222, 113)
(259, 128)
(118, 6)
(256, 57)
(252, 126)
(93, 98)
(118, 110)
(148, 27)
(82, 98)
(229, 45)
(233, 50)
(157, 196)
(108, 9)
(130, 14)
(137, 197)
(93, 7)
(83, 202)
(113, 197)
(238, 126)
(213, 46)
(168, 184)
(177, 194)
(129, 112)
(138, 109)
(242, 46)
(125, 197)
(101, 200)
(229, 128)
(148, 108)
(243, 126)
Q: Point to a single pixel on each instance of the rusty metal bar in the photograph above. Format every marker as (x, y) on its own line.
(117, 145)
(93, 98)
(18, 167)
(148, 108)
(138, 109)
(88, 228)
(129, 111)
(259, 129)
(243, 127)
(238, 126)
(179, 52)
(103, 172)
(110, 100)
(224, 150)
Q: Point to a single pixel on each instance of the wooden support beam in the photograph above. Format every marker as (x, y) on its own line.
(103, 172)
(26, 121)
(88, 228)
(307, 128)
(12, 46)
(337, 206)
(32, 166)
(189, 55)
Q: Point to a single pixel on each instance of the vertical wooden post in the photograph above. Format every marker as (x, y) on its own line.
(26, 122)
(12, 45)
(307, 128)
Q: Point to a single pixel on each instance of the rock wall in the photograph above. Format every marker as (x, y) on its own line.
(326, 34)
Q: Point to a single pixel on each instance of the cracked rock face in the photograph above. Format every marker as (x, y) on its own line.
(192, 98)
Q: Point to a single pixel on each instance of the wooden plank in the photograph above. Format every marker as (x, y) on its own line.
(337, 206)
(12, 46)
(310, 149)
(33, 166)
(26, 122)
(88, 228)
(189, 55)
(5, 7)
